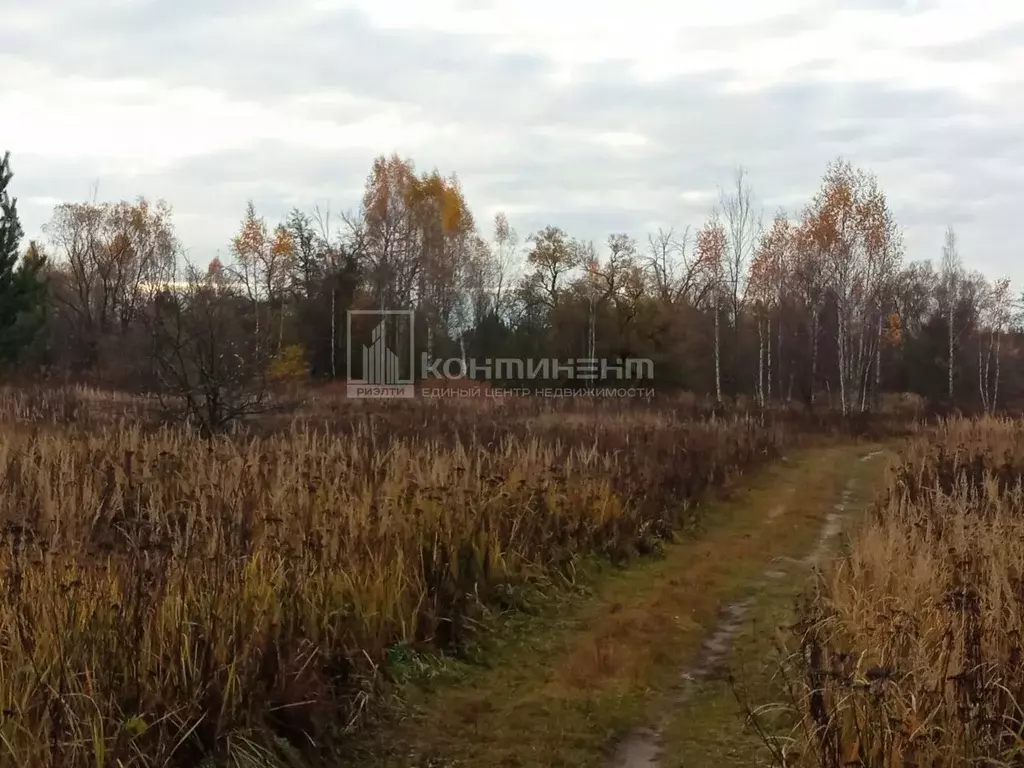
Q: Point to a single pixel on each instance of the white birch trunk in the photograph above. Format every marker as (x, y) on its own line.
(878, 362)
(841, 345)
(760, 362)
(982, 387)
(718, 360)
(951, 343)
(334, 334)
(995, 387)
(814, 356)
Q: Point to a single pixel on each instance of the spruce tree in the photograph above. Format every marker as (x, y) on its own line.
(22, 291)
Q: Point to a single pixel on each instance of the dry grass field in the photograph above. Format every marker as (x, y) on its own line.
(169, 600)
(910, 653)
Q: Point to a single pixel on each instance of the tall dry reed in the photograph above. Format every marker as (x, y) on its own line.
(168, 599)
(911, 652)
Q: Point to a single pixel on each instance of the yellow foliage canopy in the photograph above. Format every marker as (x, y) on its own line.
(289, 365)
(429, 202)
(893, 331)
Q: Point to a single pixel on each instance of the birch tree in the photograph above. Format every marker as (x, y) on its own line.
(995, 316)
(952, 279)
(279, 263)
(759, 301)
(506, 261)
(264, 267)
(443, 247)
(765, 287)
(883, 256)
(742, 226)
(711, 247)
(853, 230)
(249, 249)
(809, 286)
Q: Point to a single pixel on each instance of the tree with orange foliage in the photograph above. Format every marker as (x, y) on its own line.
(710, 248)
(247, 248)
(552, 254)
(883, 242)
(893, 332)
(392, 264)
(110, 259)
(850, 228)
(419, 242)
(445, 232)
(809, 286)
(765, 284)
(264, 264)
(278, 270)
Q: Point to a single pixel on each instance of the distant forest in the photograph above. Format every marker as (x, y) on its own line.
(816, 305)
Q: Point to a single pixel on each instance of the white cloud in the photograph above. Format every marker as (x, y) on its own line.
(127, 121)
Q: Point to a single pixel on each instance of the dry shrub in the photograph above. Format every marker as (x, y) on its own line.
(169, 599)
(289, 367)
(903, 404)
(911, 652)
(84, 406)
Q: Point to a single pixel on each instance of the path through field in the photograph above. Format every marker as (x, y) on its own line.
(633, 675)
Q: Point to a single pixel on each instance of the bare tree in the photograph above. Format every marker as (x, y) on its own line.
(952, 278)
(609, 282)
(995, 317)
(743, 227)
(109, 259)
(208, 365)
(674, 272)
(506, 260)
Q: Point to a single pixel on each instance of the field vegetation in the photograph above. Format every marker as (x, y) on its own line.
(170, 598)
(910, 651)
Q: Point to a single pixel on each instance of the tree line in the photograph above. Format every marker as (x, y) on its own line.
(816, 305)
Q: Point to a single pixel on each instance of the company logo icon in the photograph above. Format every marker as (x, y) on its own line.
(381, 341)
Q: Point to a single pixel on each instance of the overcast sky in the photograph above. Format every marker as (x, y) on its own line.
(595, 116)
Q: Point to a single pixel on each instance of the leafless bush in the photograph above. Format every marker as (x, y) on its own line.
(209, 364)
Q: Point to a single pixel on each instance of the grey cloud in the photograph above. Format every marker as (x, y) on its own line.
(784, 136)
(698, 132)
(265, 54)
